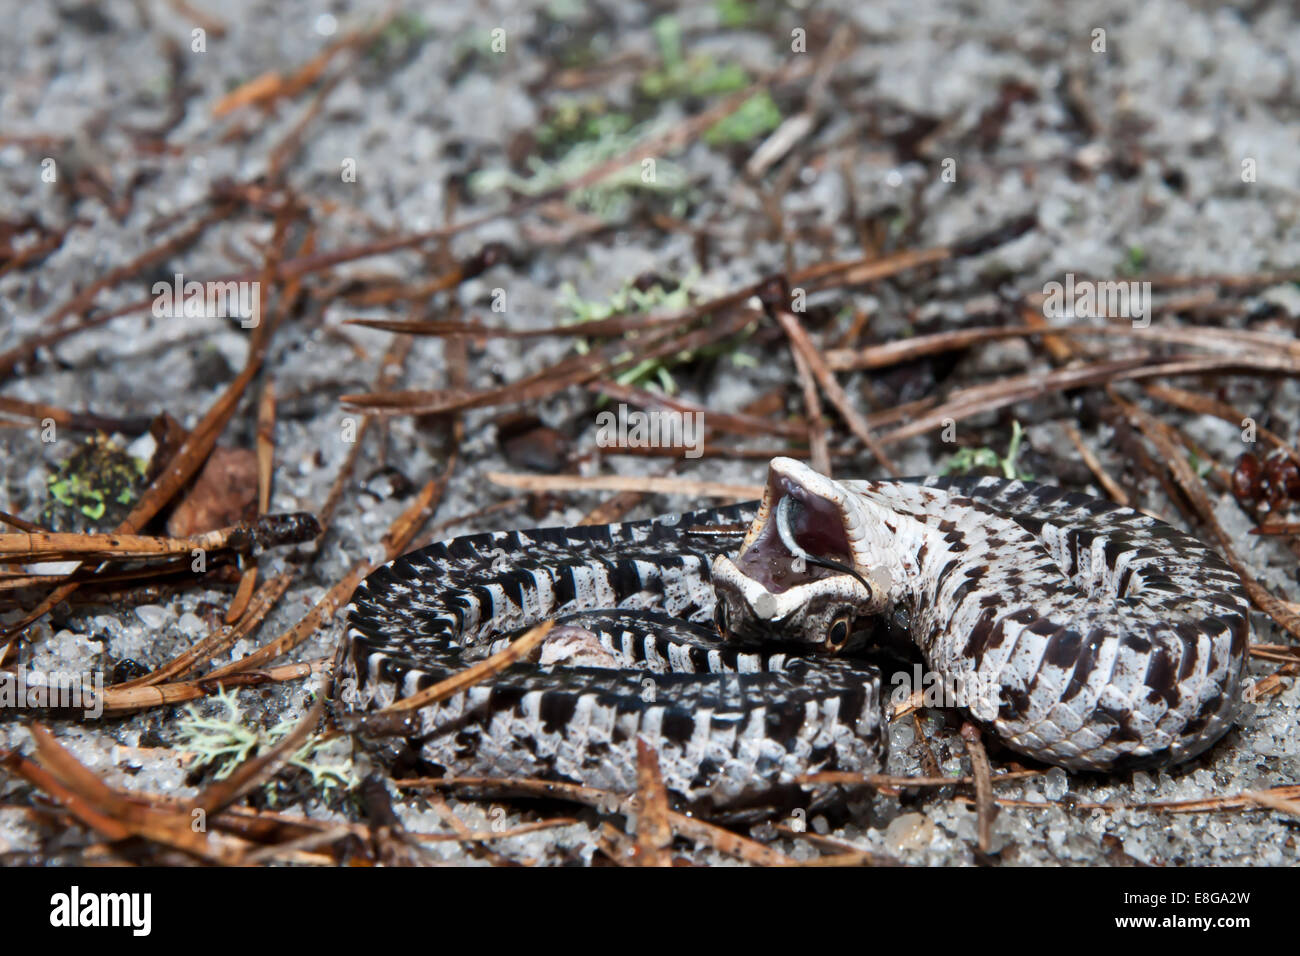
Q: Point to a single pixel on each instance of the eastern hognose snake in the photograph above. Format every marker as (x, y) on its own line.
(1075, 631)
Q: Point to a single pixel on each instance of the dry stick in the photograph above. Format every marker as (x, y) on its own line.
(245, 823)
(189, 458)
(892, 353)
(36, 253)
(800, 340)
(1194, 488)
(843, 853)
(648, 485)
(654, 832)
(797, 126)
(463, 680)
(253, 824)
(395, 541)
(448, 816)
(21, 523)
(731, 453)
(265, 465)
(265, 446)
(69, 776)
(1274, 802)
(288, 851)
(575, 370)
(85, 298)
(929, 762)
(120, 701)
(819, 452)
(222, 638)
(616, 845)
(1008, 391)
(614, 326)
(285, 150)
(979, 762)
(78, 421)
(316, 262)
(1061, 352)
(40, 545)
(484, 836)
(734, 422)
(1117, 494)
(1247, 800)
(390, 369)
(692, 828)
(1205, 405)
(866, 268)
(265, 89)
(77, 806)
(1281, 527)
(246, 537)
(882, 781)
(243, 593)
(1272, 685)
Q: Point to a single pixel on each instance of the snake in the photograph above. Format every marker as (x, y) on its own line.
(738, 641)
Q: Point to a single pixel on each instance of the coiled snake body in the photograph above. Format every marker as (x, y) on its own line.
(1077, 632)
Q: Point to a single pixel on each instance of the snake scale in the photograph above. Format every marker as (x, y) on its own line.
(1075, 631)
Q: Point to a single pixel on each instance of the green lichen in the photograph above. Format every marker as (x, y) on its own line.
(96, 484)
(580, 120)
(629, 300)
(223, 742)
(611, 198)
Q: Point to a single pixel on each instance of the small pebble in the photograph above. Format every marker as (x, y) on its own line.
(1055, 783)
(152, 616)
(910, 831)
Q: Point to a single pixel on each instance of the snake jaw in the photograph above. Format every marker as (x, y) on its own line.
(802, 562)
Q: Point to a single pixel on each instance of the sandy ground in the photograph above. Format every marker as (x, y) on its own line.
(1131, 157)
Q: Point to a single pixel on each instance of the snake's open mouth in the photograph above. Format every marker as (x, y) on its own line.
(801, 537)
(800, 573)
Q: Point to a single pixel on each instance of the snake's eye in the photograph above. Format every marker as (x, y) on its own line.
(720, 617)
(838, 635)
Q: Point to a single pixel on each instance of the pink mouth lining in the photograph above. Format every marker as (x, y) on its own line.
(818, 528)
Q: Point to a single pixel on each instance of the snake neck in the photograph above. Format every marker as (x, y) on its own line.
(936, 551)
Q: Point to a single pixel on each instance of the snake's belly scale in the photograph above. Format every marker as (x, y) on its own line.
(1076, 632)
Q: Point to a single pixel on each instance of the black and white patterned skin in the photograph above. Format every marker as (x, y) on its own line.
(1087, 635)
(1077, 632)
(730, 724)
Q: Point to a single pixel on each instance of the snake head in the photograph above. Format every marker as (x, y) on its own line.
(801, 574)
